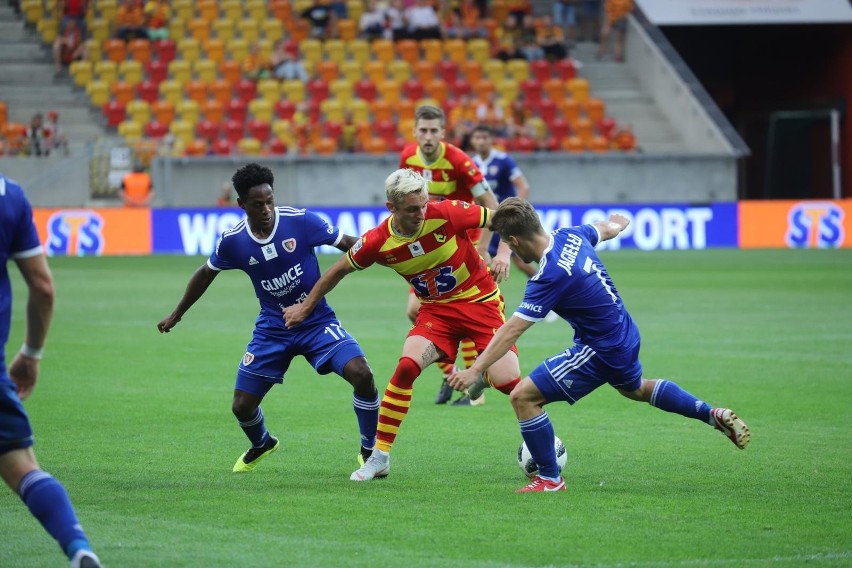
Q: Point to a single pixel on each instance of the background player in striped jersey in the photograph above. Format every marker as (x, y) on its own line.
(428, 244)
(451, 174)
(43, 495)
(274, 246)
(573, 282)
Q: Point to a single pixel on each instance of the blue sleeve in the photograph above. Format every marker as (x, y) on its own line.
(25, 238)
(219, 259)
(540, 296)
(319, 232)
(589, 232)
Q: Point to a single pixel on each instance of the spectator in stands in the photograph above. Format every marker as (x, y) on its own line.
(491, 113)
(614, 26)
(551, 38)
(518, 9)
(565, 16)
(37, 135)
(137, 188)
(72, 11)
(624, 139)
(228, 197)
(130, 21)
(395, 27)
(589, 20)
(372, 23)
(157, 14)
(286, 64)
(68, 46)
(57, 139)
(321, 17)
(255, 65)
(423, 21)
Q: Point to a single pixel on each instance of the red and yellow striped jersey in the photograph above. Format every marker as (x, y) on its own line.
(451, 176)
(439, 261)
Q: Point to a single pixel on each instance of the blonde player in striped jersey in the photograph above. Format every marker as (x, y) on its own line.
(451, 174)
(428, 244)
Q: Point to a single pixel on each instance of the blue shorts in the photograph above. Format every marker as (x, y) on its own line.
(576, 372)
(15, 429)
(326, 346)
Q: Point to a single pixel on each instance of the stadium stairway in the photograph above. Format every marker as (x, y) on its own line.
(27, 84)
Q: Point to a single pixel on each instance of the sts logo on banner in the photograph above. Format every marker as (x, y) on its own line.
(815, 225)
(75, 233)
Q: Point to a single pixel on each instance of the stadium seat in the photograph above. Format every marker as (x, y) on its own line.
(277, 146)
(483, 89)
(508, 88)
(231, 9)
(196, 90)
(196, 147)
(148, 91)
(375, 71)
(156, 70)
(351, 70)
(456, 50)
(460, 88)
(165, 50)
(284, 109)
(598, 144)
(313, 111)
(237, 49)
(400, 70)
(245, 89)
(130, 130)
(405, 110)
(233, 130)
(479, 50)
(221, 147)
(383, 50)
(471, 71)
(360, 110)
(540, 69)
(554, 88)
(318, 90)
(365, 89)
(437, 89)
(354, 9)
(565, 69)
(376, 145)
(139, 111)
(408, 50)
(548, 110)
(261, 109)
(311, 50)
(171, 90)
(155, 129)
(342, 90)
(327, 71)
(220, 90)
(325, 146)
(272, 29)
(579, 89)
(163, 112)
(495, 70)
(114, 112)
(293, 90)
(130, 71)
(198, 29)
(180, 70)
(423, 70)
(249, 30)
(224, 29)
(259, 129)
(81, 72)
(122, 92)
(519, 69)
(236, 109)
(283, 130)
(570, 109)
(213, 110)
(205, 70)
(269, 89)
(389, 90)
(584, 128)
(106, 71)
(115, 50)
(606, 126)
(413, 90)
(93, 50)
(382, 110)
(257, 9)
(531, 91)
(332, 109)
(207, 9)
(359, 50)
(447, 70)
(98, 29)
(347, 29)
(98, 91)
(183, 130)
(433, 50)
(48, 29)
(230, 71)
(595, 109)
(188, 110)
(335, 50)
(559, 128)
(249, 146)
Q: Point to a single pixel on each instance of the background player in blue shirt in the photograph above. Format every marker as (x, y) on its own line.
(275, 247)
(45, 497)
(505, 178)
(573, 282)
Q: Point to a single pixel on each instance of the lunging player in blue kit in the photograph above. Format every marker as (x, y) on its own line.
(275, 247)
(573, 282)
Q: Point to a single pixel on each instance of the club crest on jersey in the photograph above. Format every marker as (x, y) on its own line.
(444, 175)
(427, 175)
(289, 245)
(247, 359)
(440, 235)
(416, 249)
(269, 251)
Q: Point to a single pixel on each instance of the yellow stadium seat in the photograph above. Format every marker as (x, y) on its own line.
(332, 109)
(283, 130)
(579, 89)
(479, 49)
(98, 91)
(183, 130)
(293, 91)
(189, 49)
(188, 110)
(238, 48)
(256, 10)
(400, 70)
(335, 50)
(311, 50)
(106, 71)
(249, 30)
(272, 29)
(389, 91)
(180, 70)
(354, 9)
(359, 50)
(360, 110)
(94, 52)
(269, 89)
(33, 10)
(81, 72)
(130, 130)
(131, 71)
(224, 29)
(265, 48)
(182, 9)
(261, 109)
(171, 90)
(205, 70)
(231, 9)
(48, 29)
(139, 111)
(342, 90)
(508, 88)
(249, 146)
(351, 70)
(495, 70)
(177, 29)
(519, 69)
(98, 28)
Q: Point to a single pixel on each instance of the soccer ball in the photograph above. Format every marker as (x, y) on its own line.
(528, 465)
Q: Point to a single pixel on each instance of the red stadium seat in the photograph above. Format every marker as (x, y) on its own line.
(413, 90)
(156, 70)
(448, 71)
(165, 50)
(232, 130)
(207, 129)
(313, 111)
(221, 147)
(565, 69)
(237, 110)
(547, 110)
(559, 128)
(386, 130)
(333, 129)
(366, 89)
(259, 129)
(156, 129)
(606, 126)
(246, 90)
(531, 91)
(114, 112)
(277, 146)
(540, 70)
(285, 109)
(318, 90)
(147, 90)
(460, 87)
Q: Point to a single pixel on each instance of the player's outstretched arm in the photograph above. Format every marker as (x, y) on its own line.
(346, 242)
(297, 313)
(611, 228)
(198, 284)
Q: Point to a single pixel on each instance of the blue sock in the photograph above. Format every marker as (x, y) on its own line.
(48, 502)
(255, 429)
(367, 412)
(670, 397)
(538, 434)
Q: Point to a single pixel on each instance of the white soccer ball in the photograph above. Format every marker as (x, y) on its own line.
(528, 465)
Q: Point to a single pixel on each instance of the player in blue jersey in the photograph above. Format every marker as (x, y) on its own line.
(45, 497)
(573, 282)
(505, 178)
(275, 247)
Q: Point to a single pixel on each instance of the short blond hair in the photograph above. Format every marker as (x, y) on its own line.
(404, 182)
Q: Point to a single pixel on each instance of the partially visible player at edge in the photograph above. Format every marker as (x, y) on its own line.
(43, 495)
(274, 246)
(573, 282)
(428, 244)
(451, 174)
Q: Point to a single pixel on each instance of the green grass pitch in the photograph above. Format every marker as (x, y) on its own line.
(138, 427)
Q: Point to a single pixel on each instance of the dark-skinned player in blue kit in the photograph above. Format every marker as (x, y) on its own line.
(274, 246)
(573, 282)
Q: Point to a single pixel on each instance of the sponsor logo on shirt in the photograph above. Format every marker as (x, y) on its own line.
(252, 261)
(269, 251)
(416, 249)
